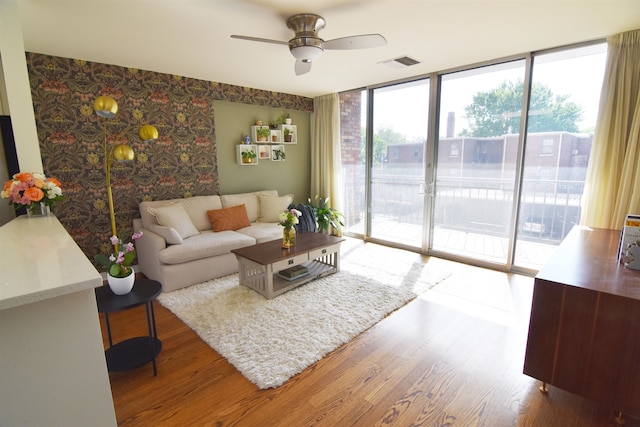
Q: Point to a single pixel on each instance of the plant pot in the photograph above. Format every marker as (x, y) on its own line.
(288, 138)
(262, 138)
(121, 285)
(287, 121)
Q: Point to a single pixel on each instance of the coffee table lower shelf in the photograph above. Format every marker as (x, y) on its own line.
(265, 281)
(316, 270)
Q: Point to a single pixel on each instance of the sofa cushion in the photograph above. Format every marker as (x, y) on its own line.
(272, 206)
(196, 207)
(250, 200)
(175, 216)
(231, 218)
(170, 234)
(262, 231)
(204, 245)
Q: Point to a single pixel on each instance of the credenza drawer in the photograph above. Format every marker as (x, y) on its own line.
(289, 262)
(324, 251)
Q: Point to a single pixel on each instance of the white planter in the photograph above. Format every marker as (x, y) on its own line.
(121, 285)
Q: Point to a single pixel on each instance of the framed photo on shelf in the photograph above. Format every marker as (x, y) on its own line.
(264, 151)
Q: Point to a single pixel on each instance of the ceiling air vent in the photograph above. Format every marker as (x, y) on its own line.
(400, 62)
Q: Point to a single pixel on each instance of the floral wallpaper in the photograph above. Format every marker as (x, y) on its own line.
(181, 163)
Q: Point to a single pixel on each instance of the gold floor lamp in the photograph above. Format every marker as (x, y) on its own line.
(107, 108)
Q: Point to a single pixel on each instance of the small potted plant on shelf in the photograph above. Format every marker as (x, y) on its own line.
(262, 134)
(248, 156)
(288, 135)
(278, 154)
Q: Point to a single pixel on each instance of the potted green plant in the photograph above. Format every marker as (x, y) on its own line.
(262, 134)
(248, 156)
(288, 135)
(329, 220)
(278, 154)
(282, 118)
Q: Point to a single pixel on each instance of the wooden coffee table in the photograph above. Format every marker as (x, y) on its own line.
(258, 265)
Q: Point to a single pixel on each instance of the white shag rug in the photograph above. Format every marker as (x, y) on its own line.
(269, 341)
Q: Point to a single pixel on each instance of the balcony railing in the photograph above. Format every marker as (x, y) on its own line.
(548, 208)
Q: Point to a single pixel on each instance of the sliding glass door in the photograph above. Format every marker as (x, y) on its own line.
(477, 148)
(397, 156)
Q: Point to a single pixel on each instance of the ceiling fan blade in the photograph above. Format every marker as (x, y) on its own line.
(258, 39)
(363, 41)
(302, 67)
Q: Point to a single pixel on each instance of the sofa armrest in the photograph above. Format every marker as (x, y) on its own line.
(148, 248)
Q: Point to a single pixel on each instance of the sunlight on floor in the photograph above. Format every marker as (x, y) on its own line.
(494, 296)
(491, 295)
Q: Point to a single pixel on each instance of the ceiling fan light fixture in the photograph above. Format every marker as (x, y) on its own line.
(306, 53)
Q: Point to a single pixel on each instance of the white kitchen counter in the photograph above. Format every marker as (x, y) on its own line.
(53, 370)
(40, 260)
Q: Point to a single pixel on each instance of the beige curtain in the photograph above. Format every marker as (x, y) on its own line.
(325, 150)
(612, 187)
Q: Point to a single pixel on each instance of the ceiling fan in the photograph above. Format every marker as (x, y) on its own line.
(306, 46)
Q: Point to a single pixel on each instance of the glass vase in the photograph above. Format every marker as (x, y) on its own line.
(37, 209)
(288, 237)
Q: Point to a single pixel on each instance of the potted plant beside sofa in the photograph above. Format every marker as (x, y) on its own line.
(330, 221)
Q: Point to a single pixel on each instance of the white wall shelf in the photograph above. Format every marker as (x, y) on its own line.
(278, 153)
(289, 134)
(256, 136)
(247, 154)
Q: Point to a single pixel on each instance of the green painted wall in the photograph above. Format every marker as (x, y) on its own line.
(233, 121)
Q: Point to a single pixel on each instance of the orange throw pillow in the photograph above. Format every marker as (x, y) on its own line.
(233, 218)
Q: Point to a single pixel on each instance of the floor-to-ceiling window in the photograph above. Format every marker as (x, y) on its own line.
(498, 196)
(477, 148)
(565, 92)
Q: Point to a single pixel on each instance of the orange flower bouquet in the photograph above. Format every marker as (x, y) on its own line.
(31, 189)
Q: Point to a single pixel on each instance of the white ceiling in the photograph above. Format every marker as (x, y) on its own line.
(191, 38)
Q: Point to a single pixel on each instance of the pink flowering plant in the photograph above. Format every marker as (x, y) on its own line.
(31, 188)
(289, 217)
(118, 263)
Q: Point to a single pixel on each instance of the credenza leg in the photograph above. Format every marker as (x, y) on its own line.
(543, 388)
(620, 419)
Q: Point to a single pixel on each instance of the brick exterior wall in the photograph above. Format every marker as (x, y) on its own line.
(353, 176)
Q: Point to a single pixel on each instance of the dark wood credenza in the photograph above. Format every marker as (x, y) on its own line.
(584, 330)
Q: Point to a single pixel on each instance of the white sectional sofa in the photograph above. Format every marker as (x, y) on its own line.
(188, 241)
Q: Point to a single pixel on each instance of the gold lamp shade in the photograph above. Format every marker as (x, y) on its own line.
(123, 152)
(148, 133)
(105, 107)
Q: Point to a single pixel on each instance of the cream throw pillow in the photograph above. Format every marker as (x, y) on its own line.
(175, 216)
(169, 234)
(272, 206)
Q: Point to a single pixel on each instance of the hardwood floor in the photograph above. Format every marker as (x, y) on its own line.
(452, 357)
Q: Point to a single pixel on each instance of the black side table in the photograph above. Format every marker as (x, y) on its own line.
(137, 351)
